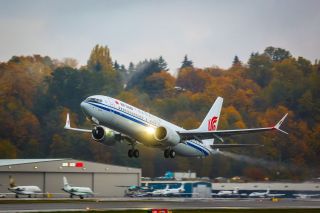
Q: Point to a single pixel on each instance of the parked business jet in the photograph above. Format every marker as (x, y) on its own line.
(229, 193)
(265, 194)
(169, 192)
(306, 196)
(159, 192)
(23, 190)
(76, 191)
(115, 121)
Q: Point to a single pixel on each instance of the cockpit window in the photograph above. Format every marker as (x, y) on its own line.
(94, 100)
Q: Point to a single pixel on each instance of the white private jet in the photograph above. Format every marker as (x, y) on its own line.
(76, 191)
(169, 192)
(229, 193)
(265, 194)
(116, 121)
(306, 196)
(23, 190)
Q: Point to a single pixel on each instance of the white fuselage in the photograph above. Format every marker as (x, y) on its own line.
(135, 123)
(78, 191)
(167, 191)
(25, 190)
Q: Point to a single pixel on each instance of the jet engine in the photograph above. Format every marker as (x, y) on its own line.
(167, 136)
(104, 135)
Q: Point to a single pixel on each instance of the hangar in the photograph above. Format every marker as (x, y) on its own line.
(103, 179)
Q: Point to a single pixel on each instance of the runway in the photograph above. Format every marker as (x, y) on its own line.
(27, 205)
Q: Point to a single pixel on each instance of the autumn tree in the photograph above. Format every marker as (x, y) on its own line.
(100, 59)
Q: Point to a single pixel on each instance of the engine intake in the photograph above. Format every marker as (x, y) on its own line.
(104, 135)
(167, 136)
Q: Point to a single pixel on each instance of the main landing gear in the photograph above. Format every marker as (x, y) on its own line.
(169, 153)
(133, 153)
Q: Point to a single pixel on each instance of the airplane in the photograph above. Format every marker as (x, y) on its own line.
(229, 193)
(306, 196)
(76, 191)
(265, 194)
(137, 191)
(23, 190)
(169, 192)
(116, 121)
(159, 192)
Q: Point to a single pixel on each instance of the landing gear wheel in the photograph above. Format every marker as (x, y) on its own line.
(130, 153)
(17, 196)
(81, 197)
(136, 153)
(166, 153)
(71, 196)
(29, 196)
(172, 153)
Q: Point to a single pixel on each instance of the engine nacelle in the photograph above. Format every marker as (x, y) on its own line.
(167, 136)
(104, 135)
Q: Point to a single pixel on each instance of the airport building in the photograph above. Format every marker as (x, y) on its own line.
(104, 179)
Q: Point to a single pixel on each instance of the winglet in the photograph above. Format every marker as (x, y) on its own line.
(67, 126)
(277, 126)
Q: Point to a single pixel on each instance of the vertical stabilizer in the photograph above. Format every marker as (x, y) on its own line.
(65, 182)
(210, 122)
(12, 182)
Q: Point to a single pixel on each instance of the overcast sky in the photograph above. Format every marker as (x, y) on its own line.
(211, 32)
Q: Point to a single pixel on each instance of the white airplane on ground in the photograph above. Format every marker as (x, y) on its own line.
(265, 194)
(76, 191)
(159, 192)
(115, 121)
(23, 190)
(306, 196)
(169, 192)
(229, 193)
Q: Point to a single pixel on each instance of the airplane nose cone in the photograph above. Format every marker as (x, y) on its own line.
(84, 106)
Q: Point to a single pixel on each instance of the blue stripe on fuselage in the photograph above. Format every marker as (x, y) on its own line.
(199, 148)
(108, 108)
(117, 112)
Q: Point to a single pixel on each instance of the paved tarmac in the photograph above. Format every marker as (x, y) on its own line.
(169, 203)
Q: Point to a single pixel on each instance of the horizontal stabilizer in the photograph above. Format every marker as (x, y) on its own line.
(221, 146)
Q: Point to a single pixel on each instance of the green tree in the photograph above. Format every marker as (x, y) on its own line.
(260, 69)
(186, 62)
(236, 61)
(277, 54)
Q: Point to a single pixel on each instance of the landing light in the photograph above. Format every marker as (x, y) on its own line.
(150, 130)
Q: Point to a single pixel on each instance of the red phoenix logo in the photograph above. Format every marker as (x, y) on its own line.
(212, 123)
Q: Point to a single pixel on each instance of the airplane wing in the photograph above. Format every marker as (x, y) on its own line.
(67, 126)
(218, 134)
(275, 195)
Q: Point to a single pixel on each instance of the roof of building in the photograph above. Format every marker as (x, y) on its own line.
(8, 162)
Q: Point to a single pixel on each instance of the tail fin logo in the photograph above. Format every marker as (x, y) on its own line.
(212, 123)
